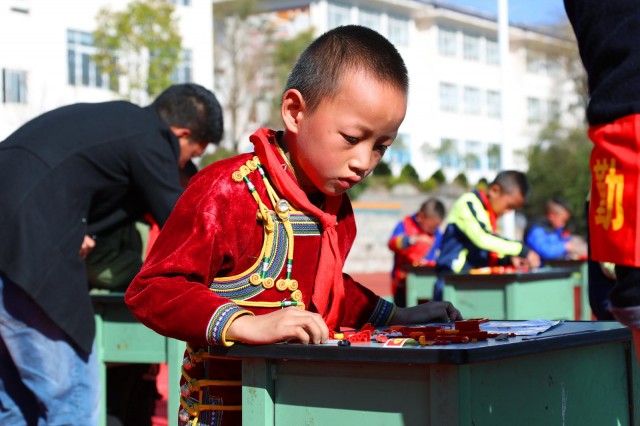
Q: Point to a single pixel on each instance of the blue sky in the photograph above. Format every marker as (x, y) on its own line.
(531, 12)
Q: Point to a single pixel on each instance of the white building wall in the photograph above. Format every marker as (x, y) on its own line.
(33, 38)
(426, 123)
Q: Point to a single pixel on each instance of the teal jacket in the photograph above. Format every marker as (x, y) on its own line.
(469, 238)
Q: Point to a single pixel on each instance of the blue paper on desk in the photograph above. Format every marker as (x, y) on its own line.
(519, 328)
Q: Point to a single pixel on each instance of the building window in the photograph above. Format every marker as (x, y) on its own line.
(448, 153)
(534, 110)
(447, 42)
(370, 18)
(398, 30)
(471, 47)
(14, 84)
(82, 70)
(494, 103)
(471, 100)
(492, 52)
(472, 158)
(536, 63)
(553, 110)
(494, 152)
(339, 14)
(399, 153)
(448, 97)
(183, 71)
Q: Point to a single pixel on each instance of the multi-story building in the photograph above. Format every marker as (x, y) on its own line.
(46, 48)
(468, 111)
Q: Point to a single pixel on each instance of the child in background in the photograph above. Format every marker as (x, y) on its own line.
(254, 250)
(415, 241)
(471, 238)
(549, 236)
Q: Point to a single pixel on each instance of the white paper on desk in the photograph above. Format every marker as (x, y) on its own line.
(519, 328)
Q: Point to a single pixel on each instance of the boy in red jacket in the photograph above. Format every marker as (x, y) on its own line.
(253, 251)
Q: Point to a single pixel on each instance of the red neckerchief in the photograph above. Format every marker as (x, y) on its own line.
(493, 219)
(328, 290)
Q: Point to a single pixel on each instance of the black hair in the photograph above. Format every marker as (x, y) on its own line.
(512, 180)
(193, 107)
(433, 207)
(558, 201)
(319, 70)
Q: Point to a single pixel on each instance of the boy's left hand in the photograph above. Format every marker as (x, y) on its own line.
(426, 312)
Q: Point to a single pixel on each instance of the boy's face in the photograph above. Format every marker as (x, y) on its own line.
(340, 143)
(558, 217)
(503, 202)
(428, 223)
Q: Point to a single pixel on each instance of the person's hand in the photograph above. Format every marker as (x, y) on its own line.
(289, 324)
(533, 259)
(87, 245)
(426, 312)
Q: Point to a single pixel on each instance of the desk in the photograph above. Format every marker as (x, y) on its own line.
(120, 338)
(547, 293)
(581, 276)
(586, 378)
(420, 283)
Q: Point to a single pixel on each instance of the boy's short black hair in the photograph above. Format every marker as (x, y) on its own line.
(511, 180)
(433, 207)
(560, 202)
(319, 70)
(193, 107)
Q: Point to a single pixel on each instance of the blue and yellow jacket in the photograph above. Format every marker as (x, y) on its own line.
(469, 238)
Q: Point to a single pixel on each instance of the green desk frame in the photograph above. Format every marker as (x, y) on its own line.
(587, 376)
(581, 277)
(120, 338)
(545, 294)
(420, 283)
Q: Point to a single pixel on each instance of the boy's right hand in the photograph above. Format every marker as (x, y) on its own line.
(288, 324)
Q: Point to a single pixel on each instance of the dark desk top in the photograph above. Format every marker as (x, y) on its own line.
(566, 335)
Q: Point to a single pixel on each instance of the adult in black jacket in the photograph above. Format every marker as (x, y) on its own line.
(65, 176)
(608, 38)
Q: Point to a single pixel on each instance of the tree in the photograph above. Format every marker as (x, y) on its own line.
(139, 48)
(285, 55)
(242, 55)
(559, 166)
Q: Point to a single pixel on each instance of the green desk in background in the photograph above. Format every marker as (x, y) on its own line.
(578, 373)
(581, 277)
(420, 283)
(120, 338)
(547, 293)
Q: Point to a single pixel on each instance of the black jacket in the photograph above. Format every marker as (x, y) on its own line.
(608, 34)
(78, 170)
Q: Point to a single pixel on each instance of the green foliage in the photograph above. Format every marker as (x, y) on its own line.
(439, 177)
(482, 184)
(409, 173)
(141, 43)
(461, 180)
(430, 184)
(559, 166)
(285, 55)
(218, 154)
(382, 169)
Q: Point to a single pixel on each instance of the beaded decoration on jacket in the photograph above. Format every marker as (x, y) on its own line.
(280, 225)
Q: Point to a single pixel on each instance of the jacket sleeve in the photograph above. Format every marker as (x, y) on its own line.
(364, 306)
(170, 294)
(465, 217)
(547, 245)
(399, 240)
